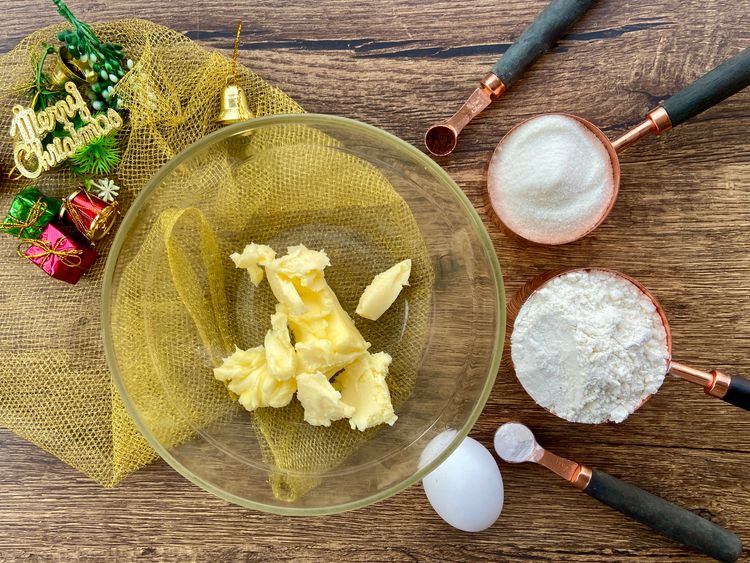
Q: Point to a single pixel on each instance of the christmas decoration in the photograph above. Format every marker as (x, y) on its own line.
(93, 217)
(41, 90)
(32, 157)
(234, 105)
(100, 156)
(29, 213)
(106, 189)
(59, 255)
(104, 62)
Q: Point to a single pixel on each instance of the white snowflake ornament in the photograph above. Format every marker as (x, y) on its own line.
(107, 189)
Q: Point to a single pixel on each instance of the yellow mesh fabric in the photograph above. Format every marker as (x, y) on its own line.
(180, 304)
(55, 387)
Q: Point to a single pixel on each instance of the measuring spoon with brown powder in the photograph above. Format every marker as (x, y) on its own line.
(545, 30)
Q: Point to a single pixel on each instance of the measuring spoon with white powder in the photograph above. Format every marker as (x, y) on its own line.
(515, 443)
(592, 345)
(554, 178)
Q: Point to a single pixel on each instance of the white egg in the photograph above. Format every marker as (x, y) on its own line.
(466, 490)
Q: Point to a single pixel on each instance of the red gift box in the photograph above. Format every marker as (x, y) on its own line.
(58, 255)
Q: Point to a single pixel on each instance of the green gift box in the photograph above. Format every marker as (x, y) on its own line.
(29, 213)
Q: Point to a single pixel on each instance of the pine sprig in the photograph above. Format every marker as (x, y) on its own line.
(98, 158)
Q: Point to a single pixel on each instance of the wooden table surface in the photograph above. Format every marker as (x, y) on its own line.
(680, 226)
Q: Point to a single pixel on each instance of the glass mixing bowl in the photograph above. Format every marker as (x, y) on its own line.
(458, 352)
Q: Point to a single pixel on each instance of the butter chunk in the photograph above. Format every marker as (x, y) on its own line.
(252, 258)
(326, 320)
(320, 355)
(302, 263)
(315, 355)
(285, 292)
(325, 335)
(362, 385)
(246, 374)
(297, 276)
(383, 291)
(322, 403)
(281, 357)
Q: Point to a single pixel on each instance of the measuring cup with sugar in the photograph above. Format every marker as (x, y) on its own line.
(592, 345)
(554, 178)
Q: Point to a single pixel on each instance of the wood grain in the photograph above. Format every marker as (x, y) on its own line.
(681, 226)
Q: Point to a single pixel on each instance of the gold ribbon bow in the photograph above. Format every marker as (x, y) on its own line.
(71, 258)
(35, 213)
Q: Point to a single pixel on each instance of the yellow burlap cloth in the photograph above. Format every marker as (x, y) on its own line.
(55, 387)
(180, 304)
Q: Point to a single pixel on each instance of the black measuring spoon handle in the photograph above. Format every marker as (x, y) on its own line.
(738, 392)
(665, 517)
(539, 37)
(725, 80)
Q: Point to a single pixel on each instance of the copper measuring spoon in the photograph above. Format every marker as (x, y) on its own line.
(722, 82)
(732, 389)
(515, 443)
(548, 27)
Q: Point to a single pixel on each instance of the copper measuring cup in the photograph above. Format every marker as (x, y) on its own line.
(441, 138)
(722, 82)
(732, 389)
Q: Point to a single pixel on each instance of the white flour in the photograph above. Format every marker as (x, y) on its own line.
(514, 442)
(551, 179)
(589, 346)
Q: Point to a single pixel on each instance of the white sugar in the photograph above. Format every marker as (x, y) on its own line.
(551, 179)
(589, 346)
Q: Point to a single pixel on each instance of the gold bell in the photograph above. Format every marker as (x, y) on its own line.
(234, 106)
(68, 69)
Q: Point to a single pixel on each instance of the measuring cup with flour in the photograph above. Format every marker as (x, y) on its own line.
(554, 178)
(592, 345)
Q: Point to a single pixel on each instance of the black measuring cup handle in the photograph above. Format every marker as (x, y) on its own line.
(537, 39)
(738, 392)
(665, 517)
(725, 80)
